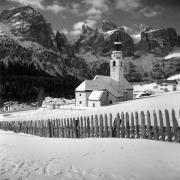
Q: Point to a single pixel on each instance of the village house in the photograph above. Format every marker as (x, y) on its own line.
(106, 90)
(167, 85)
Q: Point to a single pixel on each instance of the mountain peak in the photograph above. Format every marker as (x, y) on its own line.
(107, 25)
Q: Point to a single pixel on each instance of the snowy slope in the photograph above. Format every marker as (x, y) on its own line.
(177, 76)
(33, 158)
(160, 102)
(174, 54)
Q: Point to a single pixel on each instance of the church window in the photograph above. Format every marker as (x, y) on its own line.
(114, 63)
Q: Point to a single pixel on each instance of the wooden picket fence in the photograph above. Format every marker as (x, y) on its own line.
(124, 125)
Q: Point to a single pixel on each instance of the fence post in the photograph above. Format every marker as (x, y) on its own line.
(92, 126)
(156, 133)
(143, 130)
(101, 126)
(122, 126)
(175, 127)
(110, 126)
(168, 128)
(88, 127)
(62, 128)
(96, 126)
(162, 137)
(105, 126)
(117, 125)
(85, 127)
(71, 128)
(81, 128)
(137, 125)
(127, 126)
(132, 126)
(149, 125)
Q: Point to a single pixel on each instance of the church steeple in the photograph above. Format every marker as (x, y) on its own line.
(117, 65)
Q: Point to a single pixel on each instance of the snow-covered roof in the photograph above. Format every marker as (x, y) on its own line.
(96, 95)
(101, 83)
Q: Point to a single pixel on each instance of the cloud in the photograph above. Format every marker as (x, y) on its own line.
(152, 11)
(55, 7)
(34, 3)
(95, 8)
(127, 5)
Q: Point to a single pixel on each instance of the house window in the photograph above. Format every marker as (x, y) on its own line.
(107, 93)
(80, 102)
(110, 102)
(93, 104)
(121, 63)
(80, 94)
(114, 63)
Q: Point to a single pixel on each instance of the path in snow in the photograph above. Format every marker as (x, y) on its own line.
(34, 158)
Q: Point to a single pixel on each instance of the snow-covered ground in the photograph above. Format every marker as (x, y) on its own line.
(28, 157)
(158, 102)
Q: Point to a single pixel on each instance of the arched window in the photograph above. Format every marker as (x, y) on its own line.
(114, 63)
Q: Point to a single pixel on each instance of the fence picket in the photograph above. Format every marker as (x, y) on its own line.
(101, 126)
(149, 131)
(117, 126)
(105, 126)
(96, 126)
(175, 127)
(132, 127)
(81, 127)
(62, 128)
(137, 125)
(88, 127)
(161, 130)
(127, 126)
(92, 126)
(85, 127)
(143, 130)
(110, 126)
(122, 126)
(168, 128)
(155, 128)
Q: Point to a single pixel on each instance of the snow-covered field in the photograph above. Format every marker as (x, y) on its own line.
(28, 157)
(157, 102)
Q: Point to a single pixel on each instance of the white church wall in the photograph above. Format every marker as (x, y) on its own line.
(92, 103)
(82, 98)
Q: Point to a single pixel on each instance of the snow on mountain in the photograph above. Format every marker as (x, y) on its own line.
(175, 77)
(109, 33)
(136, 38)
(174, 54)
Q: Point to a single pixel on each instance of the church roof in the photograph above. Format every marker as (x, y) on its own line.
(96, 95)
(101, 83)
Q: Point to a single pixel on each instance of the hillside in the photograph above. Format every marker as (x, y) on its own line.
(31, 58)
(34, 58)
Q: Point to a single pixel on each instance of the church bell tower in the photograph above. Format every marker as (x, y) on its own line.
(117, 66)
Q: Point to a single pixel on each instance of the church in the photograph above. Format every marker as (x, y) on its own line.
(106, 90)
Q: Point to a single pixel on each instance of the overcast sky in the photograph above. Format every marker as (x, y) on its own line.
(69, 15)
